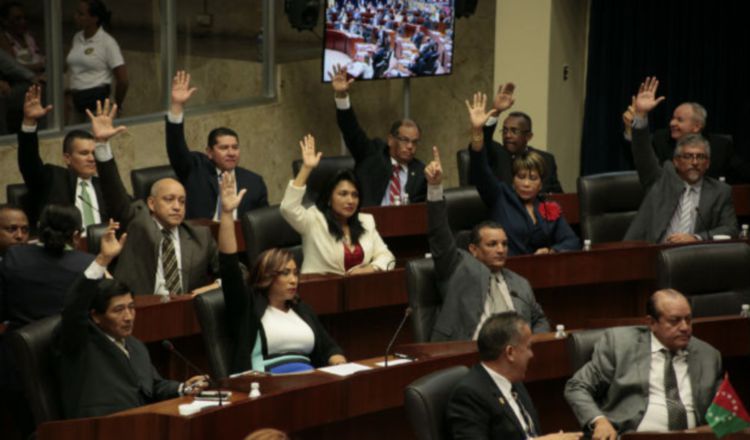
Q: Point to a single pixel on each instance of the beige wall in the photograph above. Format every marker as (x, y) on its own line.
(532, 43)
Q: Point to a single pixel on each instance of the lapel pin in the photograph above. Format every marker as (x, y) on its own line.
(501, 400)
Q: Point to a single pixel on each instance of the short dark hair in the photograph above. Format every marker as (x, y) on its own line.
(98, 9)
(57, 225)
(476, 237)
(323, 204)
(72, 136)
(108, 288)
(497, 332)
(523, 116)
(10, 207)
(213, 136)
(530, 161)
(404, 123)
(651, 308)
(268, 266)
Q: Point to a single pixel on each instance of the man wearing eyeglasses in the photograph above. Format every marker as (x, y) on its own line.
(517, 132)
(388, 172)
(14, 227)
(682, 204)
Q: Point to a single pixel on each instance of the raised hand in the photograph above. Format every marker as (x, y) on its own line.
(477, 113)
(310, 159)
(101, 123)
(627, 117)
(433, 172)
(110, 246)
(181, 90)
(230, 198)
(339, 81)
(504, 97)
(646, 99)
(32, 105)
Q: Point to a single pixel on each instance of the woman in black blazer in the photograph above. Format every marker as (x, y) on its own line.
(271, 328)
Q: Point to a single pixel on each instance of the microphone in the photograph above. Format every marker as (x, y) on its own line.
(407, 313)
(89, 204)
(703, 223)
(515, 294)
(167, 345)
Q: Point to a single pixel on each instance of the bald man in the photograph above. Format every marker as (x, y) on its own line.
(163, 255)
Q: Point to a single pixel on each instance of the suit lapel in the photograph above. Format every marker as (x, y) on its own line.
(187, 251)
(695, 373)
(704, 221)
(643, 359)
(502, 405)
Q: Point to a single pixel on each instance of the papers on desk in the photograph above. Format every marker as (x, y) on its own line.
(188, 409)
(393, 362)
(345, 369)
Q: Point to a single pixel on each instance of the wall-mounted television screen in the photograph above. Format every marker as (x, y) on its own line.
(376, 39)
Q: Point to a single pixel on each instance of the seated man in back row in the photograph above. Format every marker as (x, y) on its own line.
(474, 285)
(647, 379)
(681, 204)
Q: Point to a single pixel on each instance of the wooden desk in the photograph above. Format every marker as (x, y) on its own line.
(368, 404)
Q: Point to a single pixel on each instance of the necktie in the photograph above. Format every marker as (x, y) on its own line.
(169, 263)
(87, 208)
(676, 414)
(530, 428)
(217, 215)
(683, 219)
(499, 304)
(394, 189)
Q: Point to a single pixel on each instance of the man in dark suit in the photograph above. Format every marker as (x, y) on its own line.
(475, 284)
(387, 170)
(681, 204)
(200, 173)
(75, 185)
(164, 255)
(647, 379)
(516, 133)
(14, 227)
(490, 402)
(102, 368)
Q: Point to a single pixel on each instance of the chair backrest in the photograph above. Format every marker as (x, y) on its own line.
(462, 162)
(265, 228)
(715, 277)
(143, 178)
(94, 234)
(426, 400)
(465, 209)
(320, 176)
(608, 203)
(581, 346)
(424, 299)
(17, 194)
(32, 347)
(212, 316)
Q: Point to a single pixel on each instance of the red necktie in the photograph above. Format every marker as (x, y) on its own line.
(394, 188)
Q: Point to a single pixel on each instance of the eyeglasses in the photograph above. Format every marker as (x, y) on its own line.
(406, 141)
(514, 131)
(700, 157)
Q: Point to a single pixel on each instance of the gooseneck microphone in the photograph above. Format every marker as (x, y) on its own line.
(703, 223)
(407, 312)
(167, 345)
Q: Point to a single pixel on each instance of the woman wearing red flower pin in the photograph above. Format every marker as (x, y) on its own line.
(533, 225)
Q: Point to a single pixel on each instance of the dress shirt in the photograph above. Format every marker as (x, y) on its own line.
(506, 388)
(160, 285)
(694, 194)
(403, 175)
(489, 303)
(81, 205)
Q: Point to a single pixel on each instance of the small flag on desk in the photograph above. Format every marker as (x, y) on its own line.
(726, 413)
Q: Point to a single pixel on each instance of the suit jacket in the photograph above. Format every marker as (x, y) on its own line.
(33, 282)
(664, 187)
(49, 183)
(615, 383)
(501, 163)
(96, 377)
(323, 253)
(137, 264)
(198, 174)
(463, 282)
(244, 312)
(507, 208)
(373, 163)
(478, 409)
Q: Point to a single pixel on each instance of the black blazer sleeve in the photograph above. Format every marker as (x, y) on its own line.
(355, 138)
(116, 197)
(239, 302)
(325, 346)
(30, 163)
(177, 150)
(441, 240)
(74, 329)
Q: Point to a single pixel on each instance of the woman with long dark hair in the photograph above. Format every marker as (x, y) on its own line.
(336, 237)
(272, 329)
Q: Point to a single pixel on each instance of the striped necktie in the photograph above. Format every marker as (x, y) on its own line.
(676, 413)
(394, 189)
(169, 264)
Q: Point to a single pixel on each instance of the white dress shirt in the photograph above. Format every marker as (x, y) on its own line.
(507, 390)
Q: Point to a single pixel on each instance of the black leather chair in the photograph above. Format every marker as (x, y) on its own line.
(94, 234)
(462, 162)
(212, 317)
(143, 178)
(265, 228)
(424, 299)
(581, 346)
(608, 203)
(426, 400)
(32, 349)
(465, 210)
(320, 176)
(715, 277)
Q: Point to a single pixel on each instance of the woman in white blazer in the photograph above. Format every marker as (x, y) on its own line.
(336, 237)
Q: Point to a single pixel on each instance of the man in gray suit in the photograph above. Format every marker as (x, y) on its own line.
(474, 285)
(164, 255)
(681, 204)
(647, 379)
